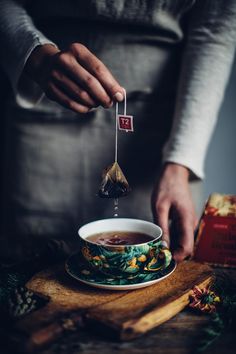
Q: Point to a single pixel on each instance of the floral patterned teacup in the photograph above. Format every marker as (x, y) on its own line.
(119, 261)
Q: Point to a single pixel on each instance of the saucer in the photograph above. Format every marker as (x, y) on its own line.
(90, 277)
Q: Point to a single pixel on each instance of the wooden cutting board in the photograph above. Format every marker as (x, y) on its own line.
(127, 314)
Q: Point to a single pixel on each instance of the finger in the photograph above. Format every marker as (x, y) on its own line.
(86, 80)
(186, 236)
(55, 94)
(196, 222)
(161, 217)
(96, 67)
(72, 89)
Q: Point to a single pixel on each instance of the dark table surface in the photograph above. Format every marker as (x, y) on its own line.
(179, 335)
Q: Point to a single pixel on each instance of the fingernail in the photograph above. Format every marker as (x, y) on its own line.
(164, 243)
(108, 105)
(92, 109)
(118, 97)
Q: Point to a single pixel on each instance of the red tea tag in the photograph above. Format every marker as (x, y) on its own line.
(125, 123)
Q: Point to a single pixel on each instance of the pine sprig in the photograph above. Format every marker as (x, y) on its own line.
(211, 332)
(223, 320)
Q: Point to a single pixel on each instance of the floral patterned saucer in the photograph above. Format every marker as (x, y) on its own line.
(85, 275)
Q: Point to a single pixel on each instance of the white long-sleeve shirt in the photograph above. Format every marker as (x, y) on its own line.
(206, 64)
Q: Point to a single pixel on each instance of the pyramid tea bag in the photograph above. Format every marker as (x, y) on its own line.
(114, 184)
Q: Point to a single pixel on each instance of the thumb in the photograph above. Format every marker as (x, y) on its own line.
(186, 236)
(196, 222)
(161, 218)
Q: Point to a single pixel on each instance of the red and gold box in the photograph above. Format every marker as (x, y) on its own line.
(216, 235)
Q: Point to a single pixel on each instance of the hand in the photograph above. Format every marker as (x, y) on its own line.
(74, 78)
(171, 200)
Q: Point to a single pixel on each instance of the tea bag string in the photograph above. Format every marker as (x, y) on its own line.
(117, 114)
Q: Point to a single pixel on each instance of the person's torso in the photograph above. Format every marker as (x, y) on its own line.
(162, 18)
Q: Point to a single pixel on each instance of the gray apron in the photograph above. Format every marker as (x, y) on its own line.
(56, 157)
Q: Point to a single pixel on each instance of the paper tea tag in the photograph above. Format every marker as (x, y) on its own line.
(125, 123)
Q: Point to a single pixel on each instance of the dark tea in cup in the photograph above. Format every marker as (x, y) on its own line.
(120, 238)
(122, 247)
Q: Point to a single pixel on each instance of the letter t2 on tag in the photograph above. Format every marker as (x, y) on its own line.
(125, 123)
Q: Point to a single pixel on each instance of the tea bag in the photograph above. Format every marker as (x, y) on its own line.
(114, 184)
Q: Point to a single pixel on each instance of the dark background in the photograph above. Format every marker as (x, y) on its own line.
(4, 92)
(221, 158)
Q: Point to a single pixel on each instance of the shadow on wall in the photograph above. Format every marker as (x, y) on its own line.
(221, 158)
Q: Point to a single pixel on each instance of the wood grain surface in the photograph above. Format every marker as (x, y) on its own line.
(128, 314)
(138, 311)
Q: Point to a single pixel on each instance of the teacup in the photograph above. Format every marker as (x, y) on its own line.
(119, 261)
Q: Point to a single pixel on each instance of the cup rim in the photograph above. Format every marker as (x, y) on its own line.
(126, 219)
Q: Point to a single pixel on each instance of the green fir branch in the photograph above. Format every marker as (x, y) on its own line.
(225, 318)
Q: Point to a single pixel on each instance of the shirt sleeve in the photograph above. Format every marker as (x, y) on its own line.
(18, 38)
(206, 65)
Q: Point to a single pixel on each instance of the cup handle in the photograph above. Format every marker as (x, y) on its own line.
(160, 258)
